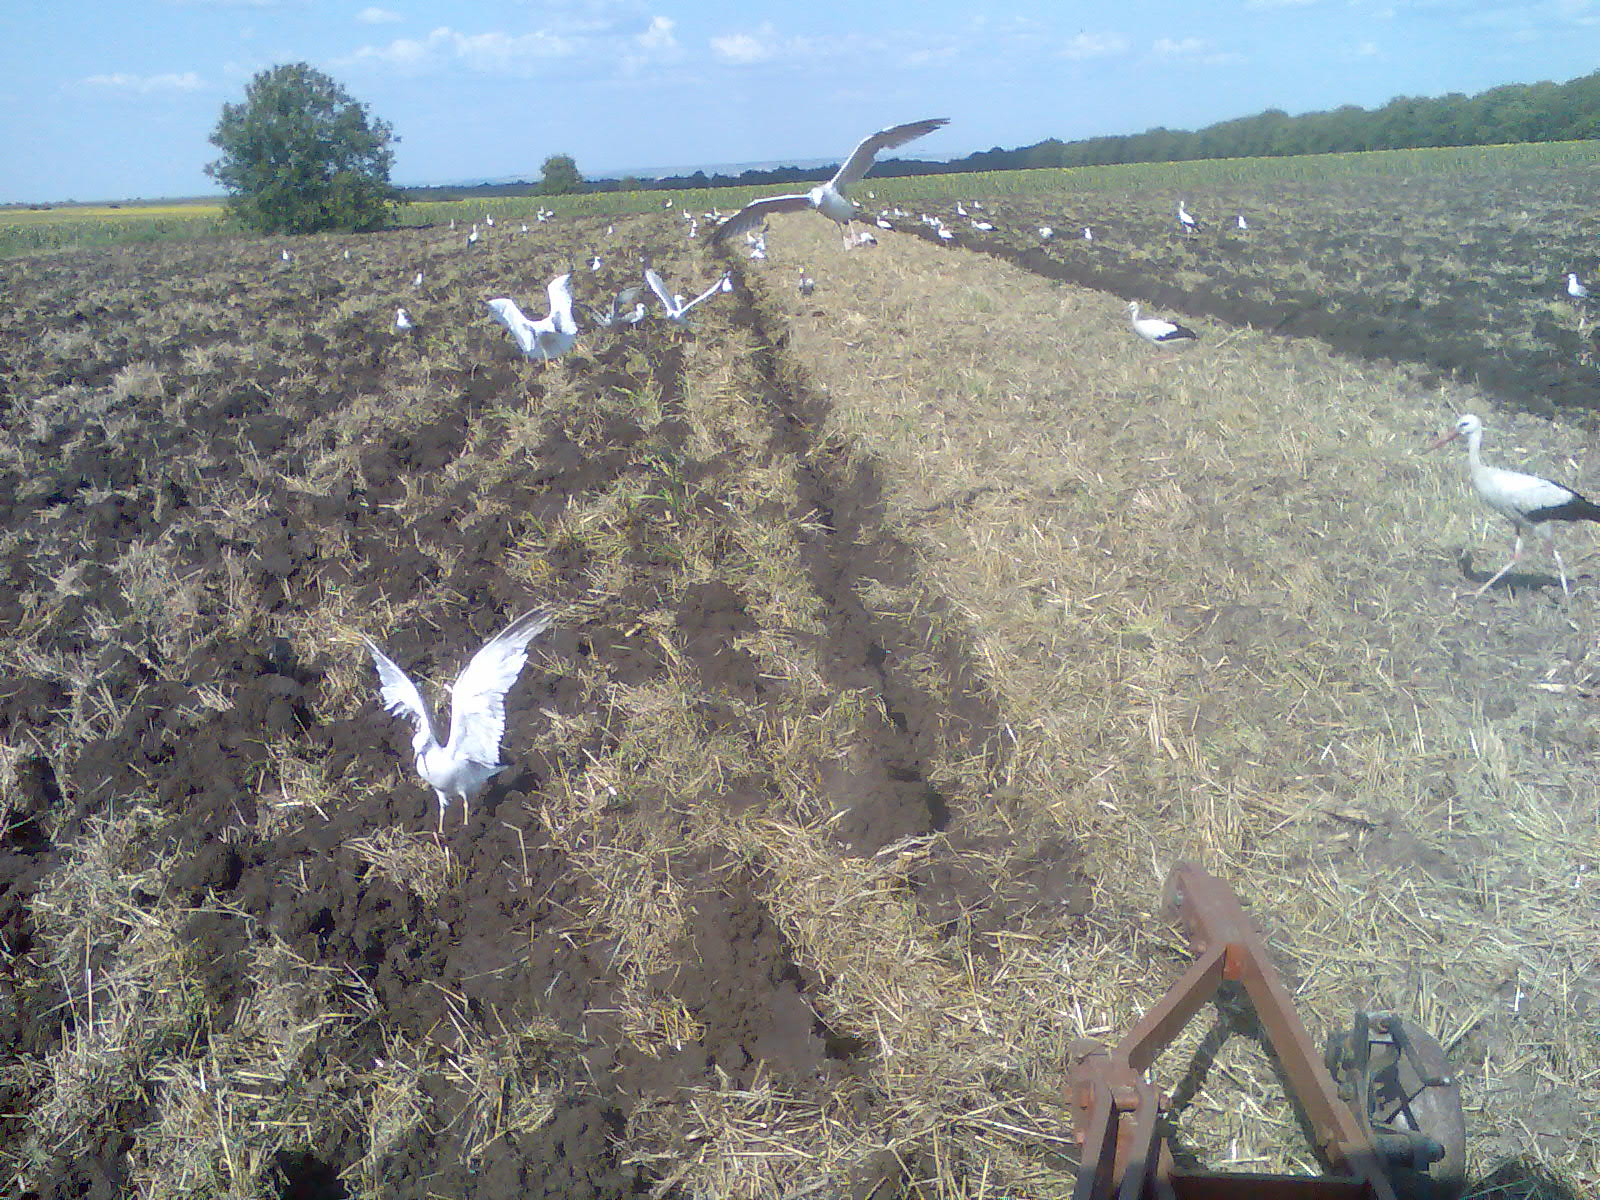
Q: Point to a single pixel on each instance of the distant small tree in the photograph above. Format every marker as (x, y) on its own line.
(560, 176)
(300, 156)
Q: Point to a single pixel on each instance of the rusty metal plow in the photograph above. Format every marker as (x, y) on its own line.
(1383, 1109)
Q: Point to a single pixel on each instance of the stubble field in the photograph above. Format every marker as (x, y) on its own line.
(906, 634)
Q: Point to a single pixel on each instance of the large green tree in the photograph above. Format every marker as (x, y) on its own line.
(300, 156)
(560, 176)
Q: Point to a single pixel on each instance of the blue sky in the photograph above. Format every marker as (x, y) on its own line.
(116, 100)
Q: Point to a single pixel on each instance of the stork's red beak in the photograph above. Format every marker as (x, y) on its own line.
(1444, 439)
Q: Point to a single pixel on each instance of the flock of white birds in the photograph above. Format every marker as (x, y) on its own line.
(463, 765)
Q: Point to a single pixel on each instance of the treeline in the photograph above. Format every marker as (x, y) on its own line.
(1535, 112)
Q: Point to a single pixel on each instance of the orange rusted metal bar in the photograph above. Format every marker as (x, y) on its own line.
(1117, 1109)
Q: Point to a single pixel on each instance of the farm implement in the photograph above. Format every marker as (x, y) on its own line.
(1383, 1110)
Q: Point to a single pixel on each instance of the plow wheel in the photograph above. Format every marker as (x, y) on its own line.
(1394, 1076)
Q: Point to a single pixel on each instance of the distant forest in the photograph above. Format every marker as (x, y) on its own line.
(1535, 112)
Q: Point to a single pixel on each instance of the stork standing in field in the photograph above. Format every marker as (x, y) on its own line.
(463, 766)
(1154, 329)
(1529, 502)
(830, 198)
(1186, 222)
(1575, 289)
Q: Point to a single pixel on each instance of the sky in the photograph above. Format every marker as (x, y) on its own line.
(116, 100)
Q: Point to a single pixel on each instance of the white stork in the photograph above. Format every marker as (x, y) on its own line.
(463, 766)
(1046, 233)
(1529, 502)
(1154, 329)
(1242, 223)
(548, 338)
(1575, 289)
(1088, 234)
(402, 321)
(830, 198)
(1186, 222)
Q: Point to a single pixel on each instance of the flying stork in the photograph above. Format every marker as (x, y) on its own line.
(830, 199)
(1529, 502)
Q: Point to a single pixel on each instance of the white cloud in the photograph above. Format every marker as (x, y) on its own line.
(658, 35)
(1095, 45)
(144, 84)
(374, 15)
(487, 53)
(742, 49)
(1196, 50)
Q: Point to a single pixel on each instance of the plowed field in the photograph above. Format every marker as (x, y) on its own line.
(905, 634)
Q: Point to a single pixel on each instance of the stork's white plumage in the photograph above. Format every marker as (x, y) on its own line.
(1241, 222)
(1576, 289)
(1529, 502)
(463, 766)
(677, 311)
(1088, 234)
(416, 281)
(1185, 221)
(402, 321)
(830, 199)
(1154, 329)
(550, 337)
(1046, 233)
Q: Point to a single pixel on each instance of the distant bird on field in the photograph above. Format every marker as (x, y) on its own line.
(286, 256)
(472, 238)
(1186, 222)
(757, 241)
(1575, 289)
(676, 310)
(1529, 502)
(806, 284)
(1241, 222)
(1046, 233)
(463, 766)
(617, 314)
(416, 281)
(347, 256)
(1154, 329)
(402, 321)
(945, 235)
(1088, 234)
(830, 199)
(861, 239)
(550, 337)
(983, 226)
(488, 219)
(883, 223)
(594, 263)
